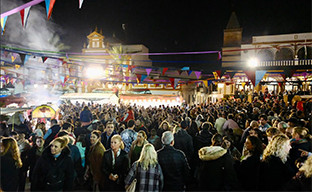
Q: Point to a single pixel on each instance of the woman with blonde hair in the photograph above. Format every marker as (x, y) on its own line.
(54, 170)
(115, 165)
(147, 171)
(137, 146)
(10, 163)
(275, 171)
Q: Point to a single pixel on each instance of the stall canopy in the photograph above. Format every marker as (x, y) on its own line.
(44, 111)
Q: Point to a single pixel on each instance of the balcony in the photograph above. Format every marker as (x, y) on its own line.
(285, 63)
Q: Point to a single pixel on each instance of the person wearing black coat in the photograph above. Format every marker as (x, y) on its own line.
(108, 134)
(115, 165)
(217, 172)
(248, 172)
(174, 164)
(54, 170)
(34, 154)
(51, 133)
(184, 142)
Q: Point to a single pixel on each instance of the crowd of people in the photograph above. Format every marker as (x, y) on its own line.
(230, 145)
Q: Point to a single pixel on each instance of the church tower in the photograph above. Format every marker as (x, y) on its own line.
(95, 43)
(232, 39)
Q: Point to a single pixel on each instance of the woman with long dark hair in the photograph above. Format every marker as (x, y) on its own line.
(10, 164)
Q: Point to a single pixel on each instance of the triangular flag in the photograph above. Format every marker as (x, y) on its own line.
(280, 84)
(138, 77)
(13, 58)
(17, 66)
(26, 58)
(148, 71)
(243, 84)
(189, 72)
(180, 71)
(24, 15)
(205, 83)
(127, 78)
(172, 82)
(289, 72)
(80, 3)
(66, 78)
(247, 83)
(259, 76)
(251, 76)
(22, 56)
(49, 6)
(143, 77)
(163, 70)
(219, 55)
(176, 82)
(3, 21)
(44, 59)
(197, 73)
(209, 82)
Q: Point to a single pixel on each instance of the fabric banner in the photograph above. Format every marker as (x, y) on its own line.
(49, 7)
(18, 9)
(259, 76)
(163, 70)
(143, 77)
(172, 82)
(289, 73)
(24, 15)
(127, 78)
(205, 83)
(251, 76)
(197, 73)
(138, 77)
(189, 72)
(148, 71)
(3, 21)
(185, 69)
(180, 72)
(80, 3)
(243, 84)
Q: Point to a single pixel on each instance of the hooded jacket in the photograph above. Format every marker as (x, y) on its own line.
(217, 172)
(53, 174)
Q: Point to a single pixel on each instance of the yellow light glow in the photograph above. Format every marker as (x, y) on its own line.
(253, 62)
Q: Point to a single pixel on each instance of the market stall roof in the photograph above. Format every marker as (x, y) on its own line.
(5, 111)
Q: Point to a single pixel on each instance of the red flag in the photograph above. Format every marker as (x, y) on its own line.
(164, 70)
(251, 76)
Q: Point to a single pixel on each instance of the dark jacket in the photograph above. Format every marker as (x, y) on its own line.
(120, 168)
(107, 141)
(53, 175)
(295, 153)
(55, 129)
(9, 173)
(274, 174)
(217, 171)
(184, 142)
(175, 168)
(33, 157)
(248, 173)
(299, 183)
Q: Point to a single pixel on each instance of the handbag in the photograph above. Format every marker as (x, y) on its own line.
(132, 186)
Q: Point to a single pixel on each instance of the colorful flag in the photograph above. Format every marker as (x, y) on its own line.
(24, 15)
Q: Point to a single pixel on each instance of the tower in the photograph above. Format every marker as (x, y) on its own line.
(232, 39)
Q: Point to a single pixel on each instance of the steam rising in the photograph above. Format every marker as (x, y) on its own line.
(41, 80)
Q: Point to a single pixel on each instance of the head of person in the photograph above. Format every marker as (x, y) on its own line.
(138, 123)
(141, 136)
(130, 123)
(148, 156)
(39, 142)
(95, 137)
(206, 126)
(279, 147)
(41, 126)
(110, 127)
(299, 133)
(230, 116)
(292, 122)
(167, 138)
(117, 143)
(227, 142)
(254, 124)
(58, 144)
(282, 126)
(15, 135)
(255, 110)
(164, 125)
(216, 140)
(263, 119)
(306, 168)
(8, 145)
(153, 132)
(271, 132)
(53, 122)
(256, 133)
(183, 125)
(67, 127)
(254, 145)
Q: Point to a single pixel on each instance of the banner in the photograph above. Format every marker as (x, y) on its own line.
(163, 70)
(148, 71)
(251, 76)
(197, 73)
(259, 76)
(3, 21)
(24, 15)
(49, 7)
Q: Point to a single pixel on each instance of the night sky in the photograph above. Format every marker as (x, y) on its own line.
(176, 26)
